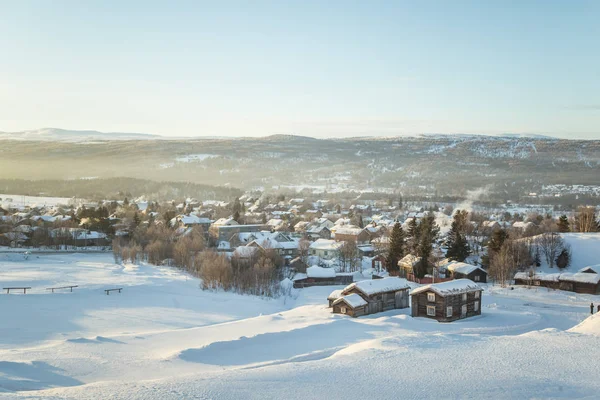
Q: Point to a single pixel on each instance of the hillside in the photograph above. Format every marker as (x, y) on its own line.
(164, 338)
(422, 165)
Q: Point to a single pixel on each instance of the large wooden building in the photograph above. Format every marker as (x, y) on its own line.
(447, 301)
(586, 280)
(378, 294)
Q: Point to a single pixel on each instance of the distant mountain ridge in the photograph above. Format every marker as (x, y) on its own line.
(66, 135)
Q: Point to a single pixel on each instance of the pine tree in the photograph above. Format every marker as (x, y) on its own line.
(396, 250)
(563, 224)
(428, 232)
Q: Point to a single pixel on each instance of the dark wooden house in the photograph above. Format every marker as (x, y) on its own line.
(461, 270)
(352, 305)
(447, 301)
(584, 281)
(333, 296)
(379, 295)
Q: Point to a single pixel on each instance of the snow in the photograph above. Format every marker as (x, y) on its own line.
(374, 286)
(336, 294)
(590, 326)
(319, 272)
(456, 286)
(461, 267)
(325, 244)
(353, 300)
(164, 338)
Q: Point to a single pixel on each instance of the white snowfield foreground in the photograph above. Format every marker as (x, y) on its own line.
(164, 338)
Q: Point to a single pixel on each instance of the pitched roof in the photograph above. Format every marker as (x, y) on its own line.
(375, 286)
(353, 300)
(457, 286)
(462, 268)
(319, 272)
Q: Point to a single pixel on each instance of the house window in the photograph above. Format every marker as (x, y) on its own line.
(343, 310)
(477, 294)
(431, 311)
(476, 306)
(448, 312)
(431, 297)
(464, 297)
(536, 283)
(325, 252)
(476, 278)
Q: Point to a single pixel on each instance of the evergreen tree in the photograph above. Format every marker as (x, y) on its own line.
(458, 248)
(400, 203)
(413, 235)
(537, 257)
(563, 224)
(497, 240)
(428, 232)
(396, 250)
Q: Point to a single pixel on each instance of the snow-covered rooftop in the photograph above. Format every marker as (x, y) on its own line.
(462, 268)
(457, 286)
(325, 244)
(353, 300)
(336, 294)
(319, 272)
(374, 286)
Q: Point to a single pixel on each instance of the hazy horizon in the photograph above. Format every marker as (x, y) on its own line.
(310, 69)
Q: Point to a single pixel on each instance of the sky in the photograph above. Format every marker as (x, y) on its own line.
(316, 68)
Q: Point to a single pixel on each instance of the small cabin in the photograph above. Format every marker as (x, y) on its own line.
(447, 301)
(352, 305)
(333, 296)
(461, 270)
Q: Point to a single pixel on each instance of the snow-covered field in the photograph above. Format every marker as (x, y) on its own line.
(164, 338)
(20, 201)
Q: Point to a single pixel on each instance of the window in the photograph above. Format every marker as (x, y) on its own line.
(431, 297)
(431, 311)
(476, 278)
(448, 312)
(476, 306)
(325, 253)
(343, 310)
(477, 294)
(464, 297)
(536, 283)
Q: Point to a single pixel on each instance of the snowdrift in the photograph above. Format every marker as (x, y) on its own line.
(589, 326)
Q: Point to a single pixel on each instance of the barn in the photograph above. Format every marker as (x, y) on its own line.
(447, 301)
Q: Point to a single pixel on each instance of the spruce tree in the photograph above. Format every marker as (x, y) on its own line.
(428, 232)
(563, 224)
(396, 250)
(458, 248)
(413, 235)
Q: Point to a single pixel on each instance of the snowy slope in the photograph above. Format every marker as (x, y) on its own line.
(163, 338)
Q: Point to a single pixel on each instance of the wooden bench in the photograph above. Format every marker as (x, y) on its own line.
(110, 290)
(8, 289)
(62, 287)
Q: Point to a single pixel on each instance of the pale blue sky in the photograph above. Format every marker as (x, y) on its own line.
(317, 68)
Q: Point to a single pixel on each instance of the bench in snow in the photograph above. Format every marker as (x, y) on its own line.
(110, 290)
(62, 287)
(8, 289)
